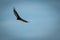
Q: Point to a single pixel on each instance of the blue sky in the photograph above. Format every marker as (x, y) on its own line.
(43, 17)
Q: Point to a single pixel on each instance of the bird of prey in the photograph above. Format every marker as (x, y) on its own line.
(18, 17)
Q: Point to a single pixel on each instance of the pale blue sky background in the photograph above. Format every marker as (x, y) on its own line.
(43, 17)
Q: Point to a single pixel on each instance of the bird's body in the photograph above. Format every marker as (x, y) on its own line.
(18, 17)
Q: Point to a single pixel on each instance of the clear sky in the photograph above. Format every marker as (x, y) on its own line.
(43, 17)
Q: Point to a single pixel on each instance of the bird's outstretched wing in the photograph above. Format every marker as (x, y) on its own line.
(15, 13)
(18, 17)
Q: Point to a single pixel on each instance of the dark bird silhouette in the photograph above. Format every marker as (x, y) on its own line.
(18, 17)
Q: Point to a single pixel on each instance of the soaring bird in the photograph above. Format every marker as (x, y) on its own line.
(18, 17)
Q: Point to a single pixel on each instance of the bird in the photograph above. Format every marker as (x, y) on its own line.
(18, 17)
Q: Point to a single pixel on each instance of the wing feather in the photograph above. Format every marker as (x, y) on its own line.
(24, 20)
(15, 13)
